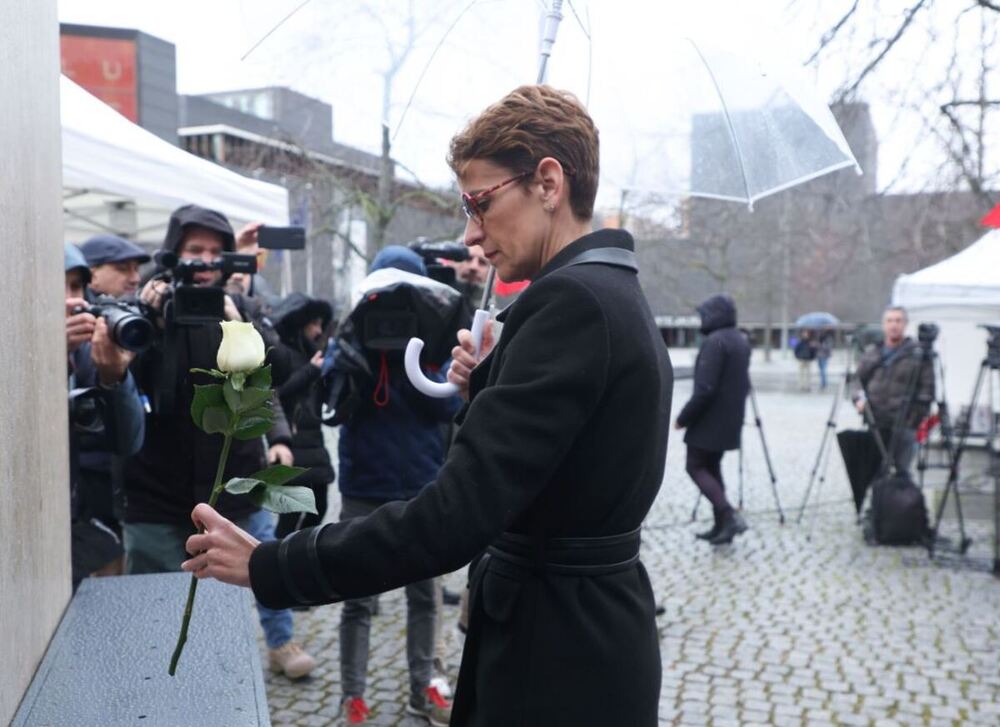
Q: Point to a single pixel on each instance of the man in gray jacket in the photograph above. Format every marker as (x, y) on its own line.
(897, 387)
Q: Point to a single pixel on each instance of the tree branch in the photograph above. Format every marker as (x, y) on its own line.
(910, 14)
(829, 35)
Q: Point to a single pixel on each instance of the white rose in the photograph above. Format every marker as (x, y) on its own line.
(242, 348)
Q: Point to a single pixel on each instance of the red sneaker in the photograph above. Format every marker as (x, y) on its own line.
(432, 706)
(355, 710)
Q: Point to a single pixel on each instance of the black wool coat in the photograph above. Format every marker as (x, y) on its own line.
(714, 414)
(565, 437)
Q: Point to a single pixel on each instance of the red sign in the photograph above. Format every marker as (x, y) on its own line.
(106, 68)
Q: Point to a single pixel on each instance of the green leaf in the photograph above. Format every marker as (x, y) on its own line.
(252, 427)
(282, 499)
(261, 378)
(215, 419)
(242, 485)
(252, 398)
(237, 380)
(204, 397)
(211, 372)
(278, 474)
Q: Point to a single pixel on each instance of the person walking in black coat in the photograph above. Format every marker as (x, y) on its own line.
(300, 322)
(559, 454)
(714, 414)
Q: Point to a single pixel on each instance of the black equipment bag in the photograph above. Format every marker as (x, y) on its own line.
(899, 514)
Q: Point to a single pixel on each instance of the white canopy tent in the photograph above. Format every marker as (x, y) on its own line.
(960, 294)
(120, 178)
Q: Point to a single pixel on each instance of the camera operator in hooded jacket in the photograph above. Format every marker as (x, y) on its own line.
(714, 414)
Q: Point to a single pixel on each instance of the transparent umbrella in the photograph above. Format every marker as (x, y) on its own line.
(679, 116)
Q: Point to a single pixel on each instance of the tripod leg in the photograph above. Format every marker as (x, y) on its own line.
(831, 425)
(741, 477)
(953, 471)
(767, 456)
(694, 512)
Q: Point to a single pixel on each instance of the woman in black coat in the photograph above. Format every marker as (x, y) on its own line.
(557, 460)
(300, 322)
(714, 414)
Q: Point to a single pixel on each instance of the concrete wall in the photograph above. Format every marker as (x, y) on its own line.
(34, 494)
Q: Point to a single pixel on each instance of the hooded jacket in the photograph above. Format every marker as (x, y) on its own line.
(391, 450)
(297, 389)
(714, 413)
(175, 468)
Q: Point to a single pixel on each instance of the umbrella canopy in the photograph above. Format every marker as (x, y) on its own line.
(817, 319)
(862, 460)
(677, 117)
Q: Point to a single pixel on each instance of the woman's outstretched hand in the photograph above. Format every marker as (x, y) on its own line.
(222, 551)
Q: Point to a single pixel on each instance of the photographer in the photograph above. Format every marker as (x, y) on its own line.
(897, 387)
(106, 418)
(713, 416)
(114, 265)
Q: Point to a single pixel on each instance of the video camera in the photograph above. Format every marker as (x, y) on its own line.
(927, 333)
(191, 304)
(431, 252)
(992, 346)
(128, 327)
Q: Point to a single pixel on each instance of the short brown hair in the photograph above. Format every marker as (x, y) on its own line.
(529, 124)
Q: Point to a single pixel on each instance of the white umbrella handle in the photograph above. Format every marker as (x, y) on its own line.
(411, 361)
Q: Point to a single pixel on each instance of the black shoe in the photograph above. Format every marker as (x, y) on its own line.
(732, 525)
(709, 534)
(450, 598)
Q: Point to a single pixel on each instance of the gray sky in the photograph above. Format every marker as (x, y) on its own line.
(336, 51)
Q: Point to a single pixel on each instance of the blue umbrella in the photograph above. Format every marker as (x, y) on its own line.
(817, 319)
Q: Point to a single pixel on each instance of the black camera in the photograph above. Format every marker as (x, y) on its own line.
(86, 410)
(927, 333)
(191, 304)
(992, 346)
(431, 252)
(128, 327)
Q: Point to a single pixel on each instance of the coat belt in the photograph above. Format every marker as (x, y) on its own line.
(591, 556)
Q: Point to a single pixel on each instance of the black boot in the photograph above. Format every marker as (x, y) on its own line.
(732, 525)
(711, 533)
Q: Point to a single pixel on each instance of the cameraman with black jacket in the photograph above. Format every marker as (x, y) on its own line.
(176, 466)
(897, 386)
(175, 469)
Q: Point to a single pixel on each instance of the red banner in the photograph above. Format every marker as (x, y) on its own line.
(106, 68)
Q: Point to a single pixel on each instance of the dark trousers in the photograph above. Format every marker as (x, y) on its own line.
(704, 467)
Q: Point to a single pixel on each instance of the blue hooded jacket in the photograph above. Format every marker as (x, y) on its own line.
(392, 449)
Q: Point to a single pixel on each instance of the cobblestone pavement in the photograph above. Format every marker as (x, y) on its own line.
(793, 624)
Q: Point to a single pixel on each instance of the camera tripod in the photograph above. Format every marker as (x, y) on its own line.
(988, 369)
(767, 458)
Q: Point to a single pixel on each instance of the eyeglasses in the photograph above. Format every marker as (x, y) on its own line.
(475, 205)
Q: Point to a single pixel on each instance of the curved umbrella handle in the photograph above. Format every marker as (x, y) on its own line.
(411, 361)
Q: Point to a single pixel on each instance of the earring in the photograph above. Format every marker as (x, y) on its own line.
(550, 207)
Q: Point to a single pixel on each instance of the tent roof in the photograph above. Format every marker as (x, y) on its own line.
(118, 177)
(968, 278)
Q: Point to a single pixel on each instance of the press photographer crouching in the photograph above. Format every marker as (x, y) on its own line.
(897, 386)
(106, 418)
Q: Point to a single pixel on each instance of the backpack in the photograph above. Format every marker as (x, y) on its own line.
(803, 351)
(344, 374)
(898, 512)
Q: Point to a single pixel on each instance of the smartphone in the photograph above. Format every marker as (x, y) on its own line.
(282, 238)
